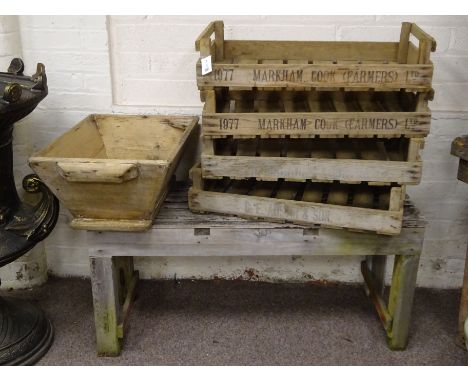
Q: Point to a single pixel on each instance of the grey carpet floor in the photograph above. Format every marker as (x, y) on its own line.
(248, 323)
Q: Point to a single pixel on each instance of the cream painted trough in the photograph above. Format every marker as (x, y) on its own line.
(112, 171)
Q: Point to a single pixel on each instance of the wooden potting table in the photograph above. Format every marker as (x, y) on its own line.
(179, 232)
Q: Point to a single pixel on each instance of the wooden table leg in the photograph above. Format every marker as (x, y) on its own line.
(113, 283)
(378, 265)
(374, 286)
(400, 303)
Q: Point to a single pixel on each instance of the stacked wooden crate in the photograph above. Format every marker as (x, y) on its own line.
(313, 133)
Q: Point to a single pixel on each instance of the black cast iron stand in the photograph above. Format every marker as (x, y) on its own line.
(25, 333)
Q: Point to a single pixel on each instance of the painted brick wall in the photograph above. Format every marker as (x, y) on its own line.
(146, 64)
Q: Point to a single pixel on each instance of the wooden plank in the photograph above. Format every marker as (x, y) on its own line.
(318, 169)
(107, 308)
(373, 288)
(219, 39)
(414, 147)
(415, 124)
(424, 52)
(376, 76)
(208, 145)
(195, 175)
(404, 42)
(254, 238)
(401, 298)
(417, 32)
(204, 35)
(312, 50)
(298, 62)
(268, 62)
(413, 54)
(121, 225)
(83, 141)
(130, 293)
(210, 101)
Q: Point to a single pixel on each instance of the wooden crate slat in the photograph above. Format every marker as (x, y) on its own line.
(312, 50)
(322, 123)
(308, 113)
(300, 169)
(378, 76)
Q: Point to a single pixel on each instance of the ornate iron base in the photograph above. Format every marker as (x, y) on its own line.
(25, 333)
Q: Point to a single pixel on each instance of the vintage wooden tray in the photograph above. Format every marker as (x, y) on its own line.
(356, 207)
(318, 64)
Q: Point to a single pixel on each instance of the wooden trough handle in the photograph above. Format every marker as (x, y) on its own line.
(97, 172)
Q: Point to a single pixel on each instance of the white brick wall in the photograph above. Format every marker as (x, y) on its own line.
(149, 67)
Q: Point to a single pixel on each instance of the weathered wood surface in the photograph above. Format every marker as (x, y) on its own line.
(353, 160)
(353, 124)
(315, 51)
(304, 213)
(300, 169)
(111, 172)
(179, 232)
(299, 64)
(98, 172)
(400, 301)
(352, 76)
(107, 309)
(113, 282)
(289, 201)
(312, 113)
